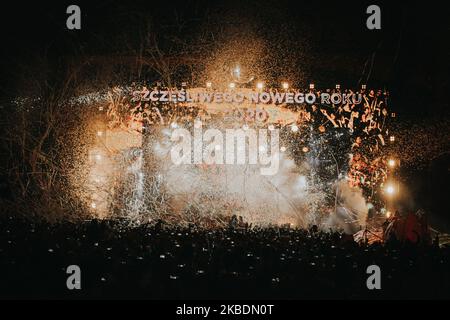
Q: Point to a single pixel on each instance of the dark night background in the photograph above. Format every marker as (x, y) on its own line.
(409, 56)
(410, 52)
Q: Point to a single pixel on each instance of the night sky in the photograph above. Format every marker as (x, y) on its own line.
(408, 56)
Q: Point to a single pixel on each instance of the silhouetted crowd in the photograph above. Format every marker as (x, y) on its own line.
(156, 261)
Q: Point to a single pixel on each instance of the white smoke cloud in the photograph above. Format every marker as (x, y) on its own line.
(286, 197)
(351, 209)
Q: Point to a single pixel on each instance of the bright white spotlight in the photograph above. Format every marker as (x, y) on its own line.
(260, 85)
(391, 163)
(285, 85)
(392, 138)
(390, 189)
(237, 72)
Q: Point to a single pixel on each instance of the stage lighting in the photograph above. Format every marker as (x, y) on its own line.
(285, 85)
(390, 189)
(391, 163)
(392, 138)
(311, 86)
(237, 72)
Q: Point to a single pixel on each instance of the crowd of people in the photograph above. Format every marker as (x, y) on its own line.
(157, 261)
